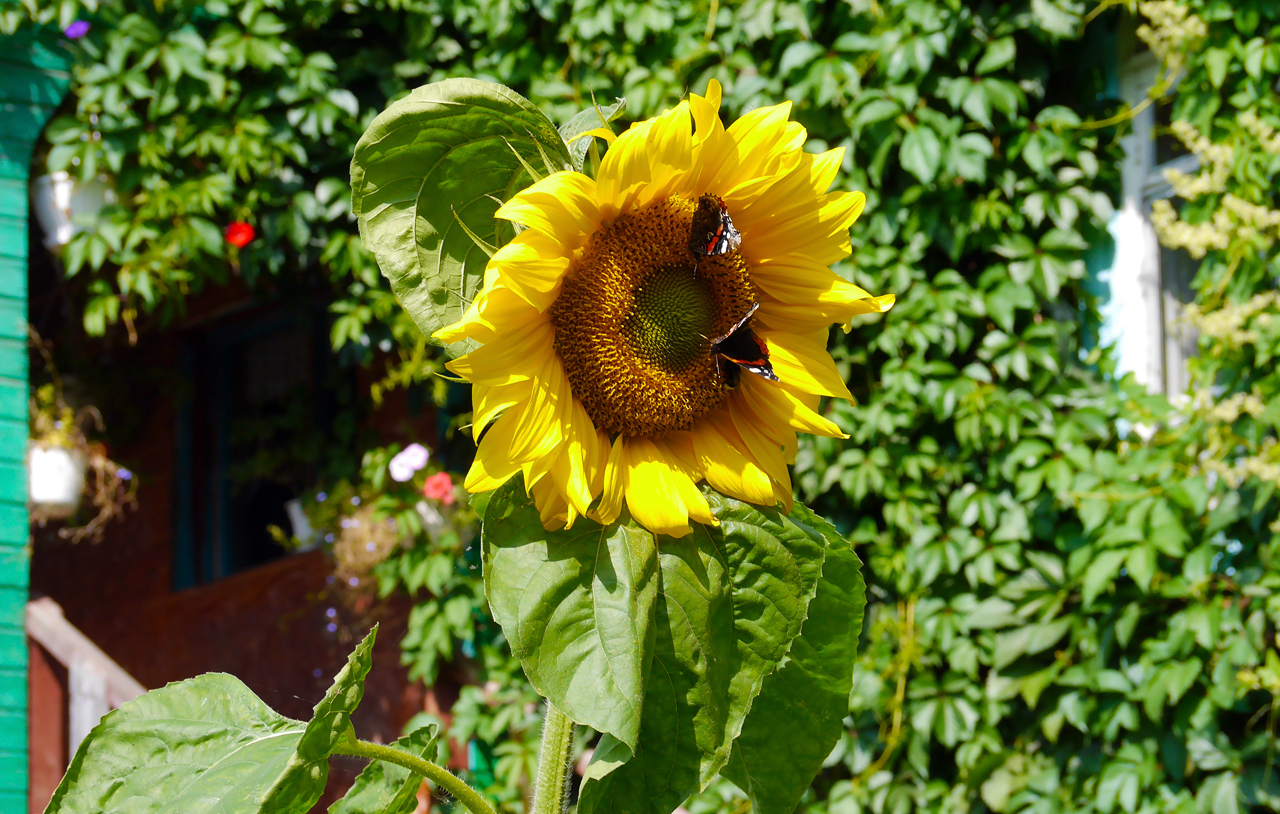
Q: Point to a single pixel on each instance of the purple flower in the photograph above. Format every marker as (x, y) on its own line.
(77, 30)
(124, 474)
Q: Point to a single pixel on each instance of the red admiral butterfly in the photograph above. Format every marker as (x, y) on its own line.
(713, 231)
(746, 350)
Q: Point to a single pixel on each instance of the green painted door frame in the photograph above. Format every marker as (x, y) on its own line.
(33, 80)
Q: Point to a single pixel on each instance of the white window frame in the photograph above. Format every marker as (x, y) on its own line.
(1148, 285)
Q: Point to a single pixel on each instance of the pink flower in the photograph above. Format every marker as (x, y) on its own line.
(439, 487)
(240, 234)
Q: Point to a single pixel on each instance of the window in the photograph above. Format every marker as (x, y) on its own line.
(1149, 284)
(251, 438)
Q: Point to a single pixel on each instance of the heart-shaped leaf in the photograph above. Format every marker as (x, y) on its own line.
(731, 601)
(209, 744)
(576, 607)
(801, 708)
(434, 167)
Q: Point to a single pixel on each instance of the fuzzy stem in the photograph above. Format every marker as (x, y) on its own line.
(442, 777)
(553, 763)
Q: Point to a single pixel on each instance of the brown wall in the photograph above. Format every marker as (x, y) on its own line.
(284, 628)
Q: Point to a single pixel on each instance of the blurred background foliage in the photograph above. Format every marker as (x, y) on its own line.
(1073, 599)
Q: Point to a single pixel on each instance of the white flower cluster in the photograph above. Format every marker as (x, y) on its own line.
(1196, 238)
(1215, 161)
(1172, 27)
(1268, 137)
(1234, 323)
(1236, 220)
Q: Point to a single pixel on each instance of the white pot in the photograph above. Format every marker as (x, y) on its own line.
(55, 479)
(62, 204)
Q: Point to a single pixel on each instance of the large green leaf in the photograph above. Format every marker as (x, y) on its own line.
(330, 720)
(444, 153)
(387, 788)
(209, 744)
(732, 599)
(801, 707)
(576, 606)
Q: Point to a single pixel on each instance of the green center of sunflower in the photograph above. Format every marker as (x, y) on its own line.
(635, 317)
(671, 316)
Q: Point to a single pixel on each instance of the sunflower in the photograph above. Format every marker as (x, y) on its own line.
(598, 377)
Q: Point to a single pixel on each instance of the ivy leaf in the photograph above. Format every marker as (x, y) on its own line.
(386, 788)
(224, 749)
(457, 146)
(999, 53)
(921, 153)
(577, 607)
(801, 708)
(731, 602)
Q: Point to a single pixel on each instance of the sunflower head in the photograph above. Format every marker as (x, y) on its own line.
(601, 377)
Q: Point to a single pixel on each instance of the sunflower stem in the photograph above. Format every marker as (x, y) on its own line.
(464, 794)
(549, 793)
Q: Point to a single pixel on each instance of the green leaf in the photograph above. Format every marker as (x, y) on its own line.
(442, 148)
(1054, 19)
(387, 788)
(1216, 62)
(1101, 572)
(998, 54)
(801, 708)
(731, 601)
(589, 119)
(223, 749)
(921, 153)
(577, 607)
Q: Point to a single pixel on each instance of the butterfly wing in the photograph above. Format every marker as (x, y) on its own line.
(712, 232)
(749, 352)
(742, 347)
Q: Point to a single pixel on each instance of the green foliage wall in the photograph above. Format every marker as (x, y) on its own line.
(1060, 610)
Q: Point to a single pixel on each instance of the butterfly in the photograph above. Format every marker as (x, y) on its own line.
(746, 350)
(713, 232)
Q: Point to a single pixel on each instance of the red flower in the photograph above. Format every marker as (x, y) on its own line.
(240, 234)
(439, 487)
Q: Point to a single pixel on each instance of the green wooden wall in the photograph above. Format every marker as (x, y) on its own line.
(33, 80)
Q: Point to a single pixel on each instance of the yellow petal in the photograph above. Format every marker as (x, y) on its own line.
(803, 319)
(805, 363)
(507, 358)
(495, 309)
(715, 153)
(533, 265)
(775, 404)
(646, 161)
(598, 132)
(553, 511)
(720, 457)
(805, 284)
(492, 466)
(542, 421)
(614, 489)
(489, 402)
(765, 451)
(653, 496)
(677, 449)
(561, 206)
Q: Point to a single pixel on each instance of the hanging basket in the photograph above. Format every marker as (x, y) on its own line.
(55, 480)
